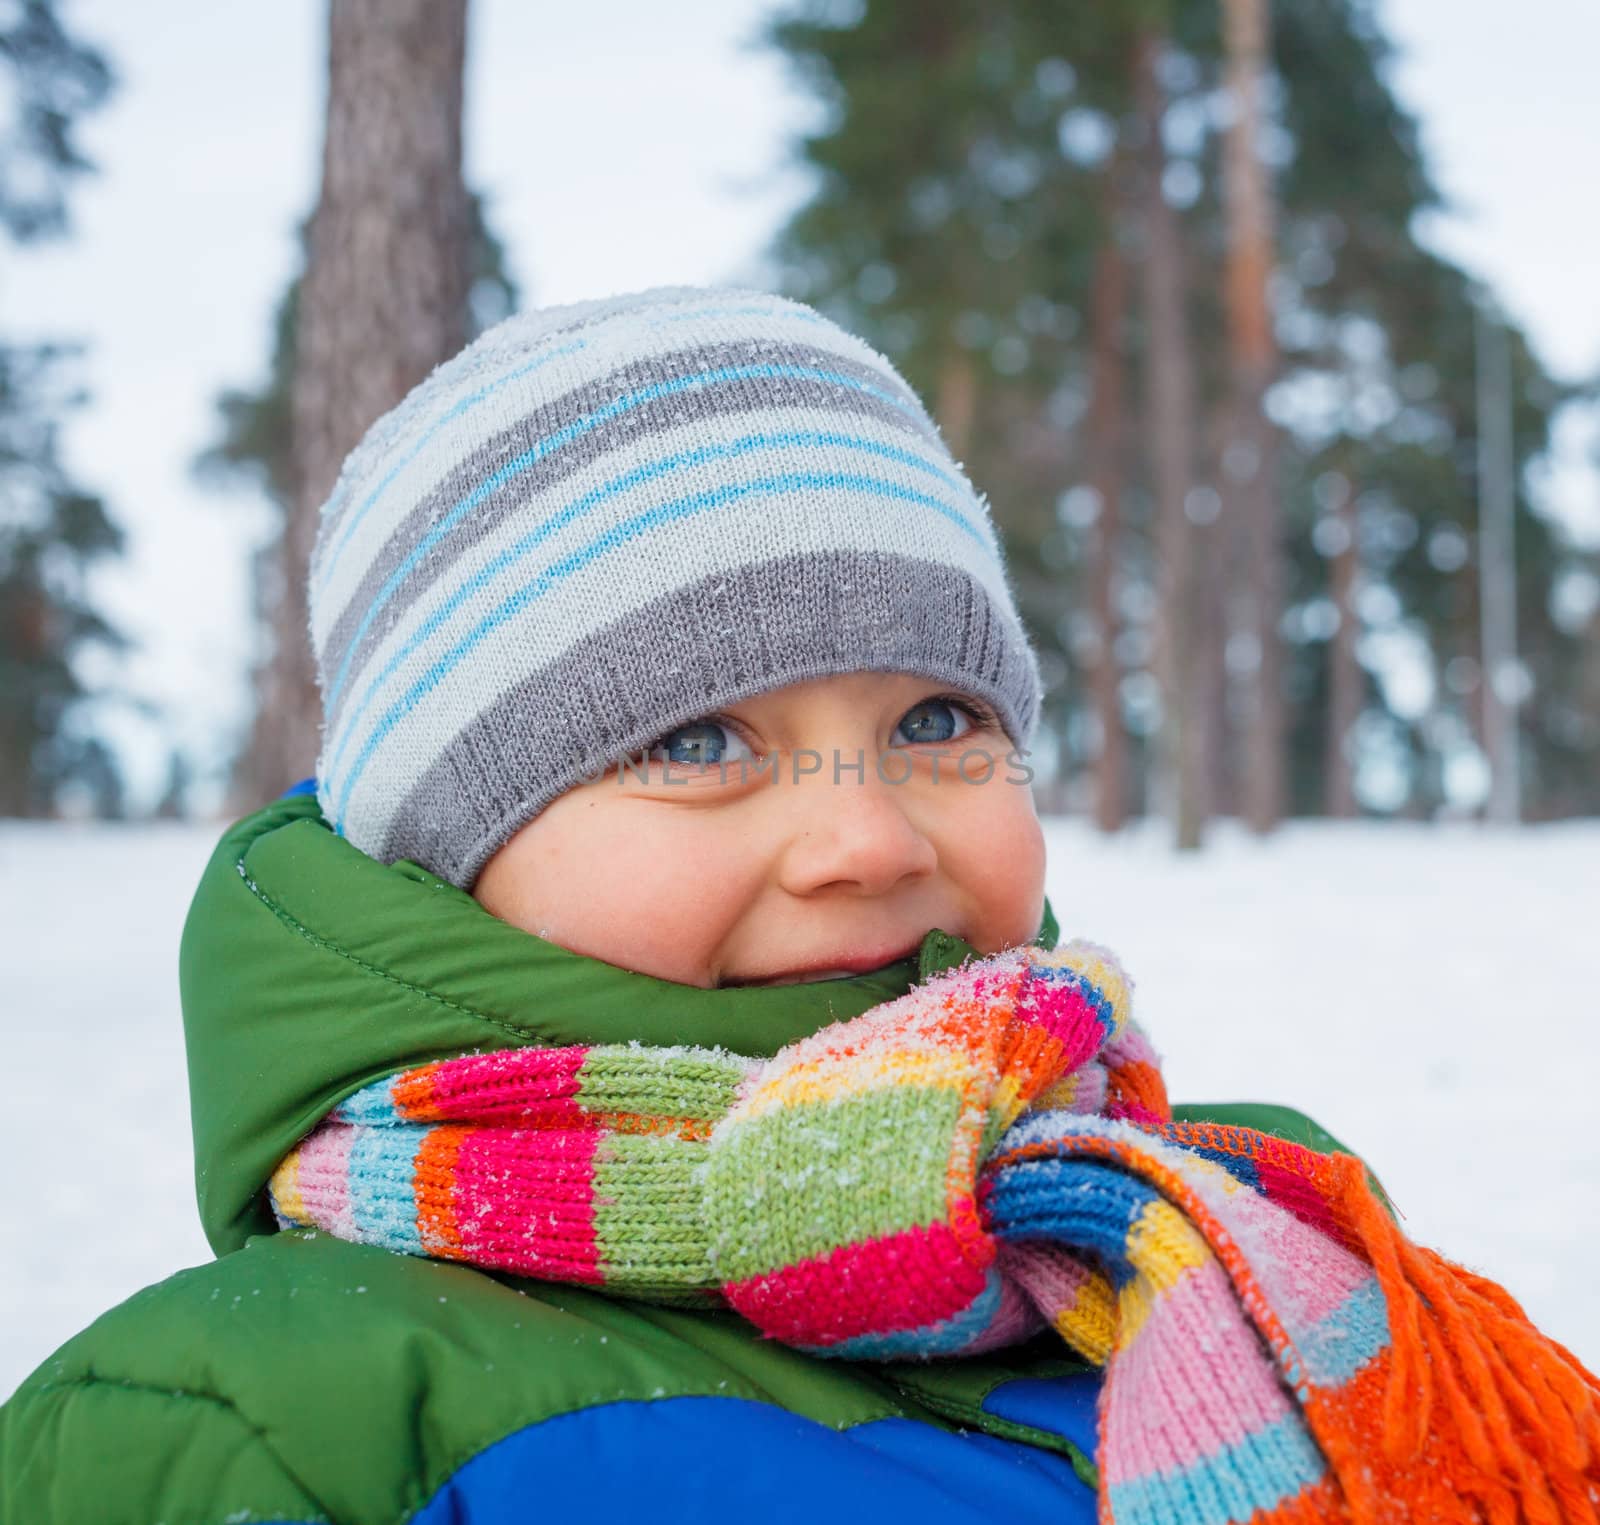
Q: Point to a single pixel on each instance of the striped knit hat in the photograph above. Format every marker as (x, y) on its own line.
(601, 521)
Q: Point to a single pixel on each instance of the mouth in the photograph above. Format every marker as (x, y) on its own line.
(833, 967)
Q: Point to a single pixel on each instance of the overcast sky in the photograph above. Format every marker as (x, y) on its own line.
(621, 145)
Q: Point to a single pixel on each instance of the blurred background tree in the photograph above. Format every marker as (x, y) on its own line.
(253, 450)
(393, 253)
(52, 531)
(1155, 264)
(1158, 271)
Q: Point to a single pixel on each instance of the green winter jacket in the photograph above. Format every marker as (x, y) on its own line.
(302, 1378)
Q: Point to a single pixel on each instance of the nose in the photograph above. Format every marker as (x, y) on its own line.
(856, 835)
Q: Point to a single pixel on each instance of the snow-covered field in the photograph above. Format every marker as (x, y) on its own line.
(1427, 994)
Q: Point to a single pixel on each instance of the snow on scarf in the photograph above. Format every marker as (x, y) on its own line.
(955, 1169)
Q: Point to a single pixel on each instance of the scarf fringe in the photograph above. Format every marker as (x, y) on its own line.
(1526, 1409)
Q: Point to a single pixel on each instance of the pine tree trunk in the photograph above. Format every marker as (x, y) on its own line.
(1108, 304)
(1222, 785)
(384, 300)
(1218, 611)
(24, 648)
(1250, 454)
(1346, 681)
(956, 403)
(1183, 544)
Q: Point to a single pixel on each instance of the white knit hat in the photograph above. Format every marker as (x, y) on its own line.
(601, 521)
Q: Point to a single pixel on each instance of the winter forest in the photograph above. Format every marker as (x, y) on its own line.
(1272, 471)
(1266, 328)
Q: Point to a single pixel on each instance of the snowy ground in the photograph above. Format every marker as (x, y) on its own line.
(1425, 994)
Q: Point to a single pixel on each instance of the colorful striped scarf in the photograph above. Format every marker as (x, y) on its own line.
(957, 1169)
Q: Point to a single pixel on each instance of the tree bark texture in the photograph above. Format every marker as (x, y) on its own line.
(383, 299)
(1251, 452)
(1183, 544)
(956, 403)
(1108, 307)
(1346, 680)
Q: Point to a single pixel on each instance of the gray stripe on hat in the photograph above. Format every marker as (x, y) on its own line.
(620, 689)
(657, 416)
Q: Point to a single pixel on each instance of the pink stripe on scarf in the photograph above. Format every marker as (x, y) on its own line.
(1065, 1010)
(1194, 1381)
(324, 1179)
(1283, 1250)
(900, 1281)
(524, 1201)
(530, 1084)
(1050, 1275)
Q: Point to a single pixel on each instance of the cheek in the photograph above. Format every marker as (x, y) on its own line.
(655, 891)
(992, 848)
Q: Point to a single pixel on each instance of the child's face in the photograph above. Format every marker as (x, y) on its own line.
(803, 869)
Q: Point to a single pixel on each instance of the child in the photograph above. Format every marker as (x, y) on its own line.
(677, 707)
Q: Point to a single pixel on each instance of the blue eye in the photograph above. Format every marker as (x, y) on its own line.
(700, 743)
(932, 720)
